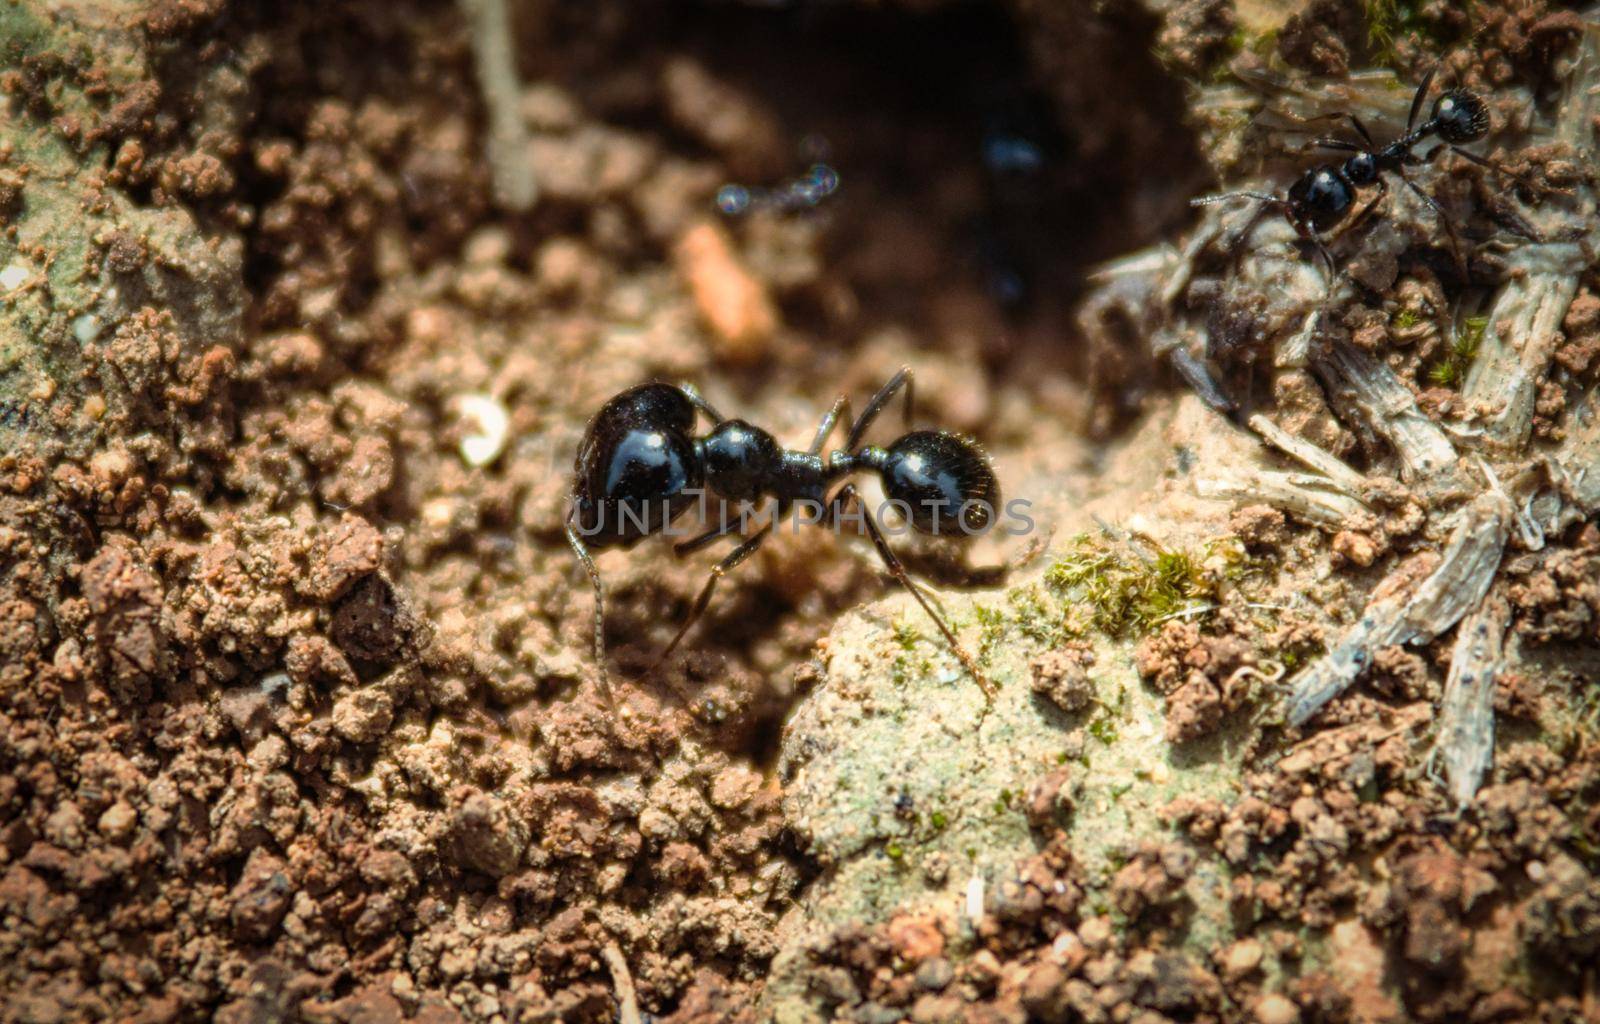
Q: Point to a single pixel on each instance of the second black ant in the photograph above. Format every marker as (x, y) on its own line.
(640, 467)
(1324, 196)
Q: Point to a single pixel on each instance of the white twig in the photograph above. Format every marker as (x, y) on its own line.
(1517, 346)
(489, 24)
(622, 982)
(1390, 409)
(1324, 462)
(1313, 499)
(1412, 614)
(1579, 454)
(1466, 717)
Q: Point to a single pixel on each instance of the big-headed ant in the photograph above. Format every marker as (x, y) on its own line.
(640, 467)
(1325, 195)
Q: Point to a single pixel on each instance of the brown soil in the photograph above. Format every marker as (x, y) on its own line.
(298, 710)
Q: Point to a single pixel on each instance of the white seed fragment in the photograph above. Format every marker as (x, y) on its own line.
(86, 328)
(489, 426)
(13, 276)
(975, 899)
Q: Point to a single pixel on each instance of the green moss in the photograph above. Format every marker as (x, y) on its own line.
(1388, 21)
(1262, 44)
(908, 663)
(1576, 728)
(1035, 618)
(1104, 725)
(992, 624)
(1451, 370)
(1405, 319)
(906, 635)
(1124, 588)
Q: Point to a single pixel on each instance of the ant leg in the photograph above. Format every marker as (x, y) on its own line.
(599, 611)
(1355, 122)
(902, 379)
(700, 403)
(1361, 130)
(898, 571)
(1445, 222)
(1421, 94)
(840, 411)
(1338, 144)
(718, 571)
(693, 544)
(1366, 211)
(1498, 168)
(1309, 234)
(1327, 261)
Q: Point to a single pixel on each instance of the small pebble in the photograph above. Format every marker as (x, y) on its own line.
(1275, 1009)
(1241, 958)
(117, 823)
(731, 300)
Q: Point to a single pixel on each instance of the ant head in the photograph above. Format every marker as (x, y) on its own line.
(942, 482)
(1460, 117)
(738, 459)
(1361, 169)
(1322, 196)
(637, 466)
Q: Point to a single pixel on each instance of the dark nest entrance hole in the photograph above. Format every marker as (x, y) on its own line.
(989, 151)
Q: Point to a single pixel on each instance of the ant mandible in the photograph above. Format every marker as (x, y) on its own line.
(1324, 196)
(640, 467)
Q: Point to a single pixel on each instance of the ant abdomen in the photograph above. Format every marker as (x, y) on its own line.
(942, 482)
(1460, 117)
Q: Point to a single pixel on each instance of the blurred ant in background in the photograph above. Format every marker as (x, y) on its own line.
(1324, 196)
(797, 195)
(803, 193)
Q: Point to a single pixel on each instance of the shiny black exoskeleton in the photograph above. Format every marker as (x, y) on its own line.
(1322, 197)
(640, 467)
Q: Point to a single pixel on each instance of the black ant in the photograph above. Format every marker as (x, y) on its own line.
(640, 467)
(1325, 195)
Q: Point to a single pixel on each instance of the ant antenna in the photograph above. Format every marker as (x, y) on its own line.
(582, 552)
